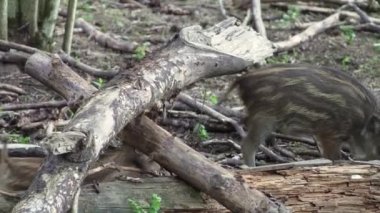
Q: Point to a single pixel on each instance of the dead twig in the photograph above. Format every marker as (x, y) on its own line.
(293, 138)
(112, 165)
(10, 194)
(6, 93)
(310, 32)
(22, 58)
(368, 24)
(104, 39)
(188, 114)
(227, 142)
(272, 155)
(86, 68)
(191, 123)
(275, 167)
(325, 10)
(48, 104)
(285, 152)
(12, 88)
(208, 110)
(257, 18)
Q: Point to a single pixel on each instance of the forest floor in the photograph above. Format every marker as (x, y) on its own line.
(349, 50)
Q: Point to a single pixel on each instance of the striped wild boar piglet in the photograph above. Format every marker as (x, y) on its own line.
(304, 100)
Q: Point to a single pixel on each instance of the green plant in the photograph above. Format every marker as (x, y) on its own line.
(85, 6)
(154, 205)
(210, 96)
(140, 52)
(346, 60)
(284, 58)
(201, 131)
(19, 138)
(99, 83)
(291, 15)
(348, 33)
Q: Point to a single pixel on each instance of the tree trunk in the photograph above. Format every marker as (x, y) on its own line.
(4, 19)
(69, 26)
(48, 19)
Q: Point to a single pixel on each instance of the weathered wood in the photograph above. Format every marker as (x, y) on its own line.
(176, 196)
(169, 151)
(23, 150)
(344, 188)
(55, 74)
(194, 55)
(113, 197)
(333, 188)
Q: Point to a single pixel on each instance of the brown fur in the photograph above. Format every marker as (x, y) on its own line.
(315, 101)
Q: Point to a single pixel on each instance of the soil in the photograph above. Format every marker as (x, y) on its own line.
(148, 26)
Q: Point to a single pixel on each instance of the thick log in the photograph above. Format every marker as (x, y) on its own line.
(176, 197)
(194, 55)
(169, 151)
(339, 188)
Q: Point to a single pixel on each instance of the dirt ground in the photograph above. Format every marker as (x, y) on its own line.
(149, 26)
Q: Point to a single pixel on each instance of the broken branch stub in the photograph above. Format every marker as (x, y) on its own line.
(223, 49)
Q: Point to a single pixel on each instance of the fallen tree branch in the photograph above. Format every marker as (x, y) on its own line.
(104, 39)
(86, 68)
(18, 58)
(228, 142)
(310, 32)
(325, 10)
(54, 73)
(203, 108)
(12, 88)
(25, 106)
(368, 24)
(186, 60)
(206, 176)
(372, 4)
(23, 150)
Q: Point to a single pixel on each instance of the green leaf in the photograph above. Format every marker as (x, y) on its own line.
(201, 131)
(19, 138)
(348, 33)
(140, 52)
(99, 83)
(136, 207)
(155, 204)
